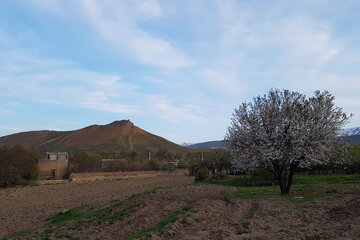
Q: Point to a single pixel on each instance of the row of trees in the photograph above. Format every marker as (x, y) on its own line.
(130, 161)
(17, 165)
(160, 155)
(214, 161)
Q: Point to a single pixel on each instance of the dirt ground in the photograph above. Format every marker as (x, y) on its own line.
(208, 215)
(28, 207)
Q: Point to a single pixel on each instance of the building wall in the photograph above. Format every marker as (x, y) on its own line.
(46, 166)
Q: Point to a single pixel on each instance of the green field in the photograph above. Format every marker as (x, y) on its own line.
(301, 182)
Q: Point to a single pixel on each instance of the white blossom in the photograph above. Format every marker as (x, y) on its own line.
(285, 130)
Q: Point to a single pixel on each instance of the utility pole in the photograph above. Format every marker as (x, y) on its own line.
(149, 155)
(58, 167)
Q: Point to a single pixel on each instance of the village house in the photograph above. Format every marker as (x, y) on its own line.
(55, 165)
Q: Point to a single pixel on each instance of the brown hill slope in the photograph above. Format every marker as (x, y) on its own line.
(116, 136)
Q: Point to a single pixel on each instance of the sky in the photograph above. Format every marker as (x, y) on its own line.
(177, 69)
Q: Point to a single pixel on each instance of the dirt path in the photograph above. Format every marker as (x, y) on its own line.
(28, 207)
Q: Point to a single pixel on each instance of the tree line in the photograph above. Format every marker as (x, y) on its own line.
(17, 165)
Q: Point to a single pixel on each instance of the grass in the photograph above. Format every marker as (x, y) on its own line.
(246, 192)
(147, 192)
(301, 182)
(159, 228)
(84, 212)
(18, 234)
(87, 214)
(227, 181)
(305, 179)
(76, 214)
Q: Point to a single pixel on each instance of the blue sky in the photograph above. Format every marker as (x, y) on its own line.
(177, 69)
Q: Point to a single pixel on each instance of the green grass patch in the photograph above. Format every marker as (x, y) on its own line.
(118, 215)
(19, 234)
(147, 192)
(246, 192)
(159, 228)
(75, 215)
(301, 182)
(86, 214)
(305, 179)
(227, 181)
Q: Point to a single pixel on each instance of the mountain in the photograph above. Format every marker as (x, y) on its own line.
(116, 136)
(351, 134)
(351, 131)
(210, 144)
(186, 144)
(355, 139)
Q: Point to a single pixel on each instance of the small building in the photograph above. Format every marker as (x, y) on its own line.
(55, 165)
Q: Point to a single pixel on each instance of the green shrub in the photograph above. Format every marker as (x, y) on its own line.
(260, 177)
(154, 165)
(193, 167)
(201, 174)
(182, 165)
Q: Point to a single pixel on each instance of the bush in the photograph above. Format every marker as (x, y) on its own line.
(202, 174)
(182, 165)
(84, 162)
(154, 165)
(260, 177)
(17, 165)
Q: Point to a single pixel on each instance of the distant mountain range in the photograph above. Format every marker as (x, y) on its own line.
(210, 144)
(116, 136)
(351, 131)
(351, 134)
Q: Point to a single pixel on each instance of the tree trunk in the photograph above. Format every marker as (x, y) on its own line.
(282, 187)
(282, 184)
(290, 180)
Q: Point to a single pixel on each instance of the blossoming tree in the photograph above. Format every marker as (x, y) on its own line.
(284, 130)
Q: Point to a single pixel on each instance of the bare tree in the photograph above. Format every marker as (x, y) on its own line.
(284, 130)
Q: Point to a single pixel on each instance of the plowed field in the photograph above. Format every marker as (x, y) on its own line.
(167, 206)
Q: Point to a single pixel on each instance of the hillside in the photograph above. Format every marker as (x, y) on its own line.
(351, 135)
(210, 144)
(116, 136)
(355, 139)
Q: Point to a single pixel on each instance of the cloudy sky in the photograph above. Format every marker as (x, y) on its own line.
(175, 68)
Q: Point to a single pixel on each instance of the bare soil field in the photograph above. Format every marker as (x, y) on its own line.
(176, 209)
(27, 207)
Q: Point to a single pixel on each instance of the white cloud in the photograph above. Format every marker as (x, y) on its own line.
(118, 25)
(161, 107)
(60, 82)
(54, 6)
(10, 129)
(26, 75)
(305, 39)
(224, 80)
(148, 7)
